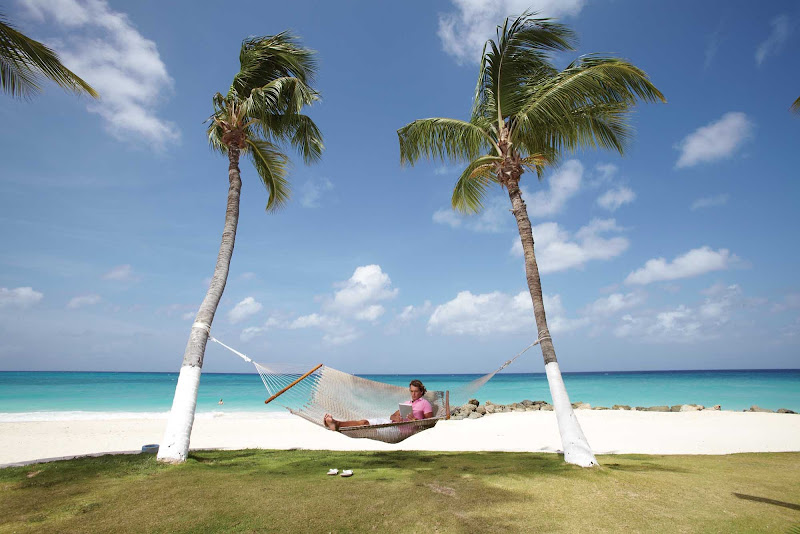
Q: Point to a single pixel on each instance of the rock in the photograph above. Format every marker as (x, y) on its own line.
(487, 403)
(474, 415)
(658, 409)
(468, 408)
(676, 408)
(489, 408)
(755, 408)
(599, 408)
(456, 418)
(620, 407)
(547, 407)
(690, 408)
(640, 409)
(784, 410)
(527, 402)
(476, 402)
(481, 410)
(716, 407)
(582, 406)
(533, 408)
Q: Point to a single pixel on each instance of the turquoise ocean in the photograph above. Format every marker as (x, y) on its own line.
(83, 395)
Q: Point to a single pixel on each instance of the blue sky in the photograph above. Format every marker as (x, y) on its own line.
(681, 255)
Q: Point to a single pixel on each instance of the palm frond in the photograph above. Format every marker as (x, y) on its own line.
(272, 167)
(521, 51)
(472, 185)
(538, 163)
(443, 139)
(796, 105)
(593, 125)
(264, 59)
(23, 61)
(592, 80)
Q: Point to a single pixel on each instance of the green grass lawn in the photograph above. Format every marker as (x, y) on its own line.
(288, 491)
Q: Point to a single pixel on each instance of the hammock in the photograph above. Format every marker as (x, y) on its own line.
(312, 393)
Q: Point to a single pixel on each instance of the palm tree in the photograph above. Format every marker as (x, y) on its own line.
(525, 114)
(260, 112)
(23, 61)
(796, 105)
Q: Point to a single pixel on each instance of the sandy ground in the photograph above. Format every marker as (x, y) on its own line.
(608, 432)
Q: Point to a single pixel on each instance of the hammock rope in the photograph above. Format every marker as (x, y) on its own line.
(312, 393)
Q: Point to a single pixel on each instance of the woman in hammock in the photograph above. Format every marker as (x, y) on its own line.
(420, 409)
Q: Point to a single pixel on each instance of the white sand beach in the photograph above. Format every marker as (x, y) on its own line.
(608, 432)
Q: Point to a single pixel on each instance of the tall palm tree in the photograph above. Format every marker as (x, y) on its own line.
(525, 114)
(261, 112)
(23, 61)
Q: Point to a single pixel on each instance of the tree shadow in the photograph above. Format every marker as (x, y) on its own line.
(765, 500)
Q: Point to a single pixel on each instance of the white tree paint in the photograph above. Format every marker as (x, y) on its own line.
(175, 446)
(576, 448)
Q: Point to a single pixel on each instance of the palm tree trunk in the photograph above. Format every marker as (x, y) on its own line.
(576, 448)
(175, 445)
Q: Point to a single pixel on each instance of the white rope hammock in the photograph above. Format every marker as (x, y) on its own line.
(312, 393)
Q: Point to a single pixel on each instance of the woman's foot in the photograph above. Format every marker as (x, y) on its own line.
(331, 423)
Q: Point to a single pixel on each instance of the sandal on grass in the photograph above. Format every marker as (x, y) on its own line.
(347, 473)
(333, 472)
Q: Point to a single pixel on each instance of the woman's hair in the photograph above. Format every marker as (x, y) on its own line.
(418, 384)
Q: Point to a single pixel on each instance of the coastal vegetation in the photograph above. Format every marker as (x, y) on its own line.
(259, 115)
(526, 114)
(24, 61)
(288, 491)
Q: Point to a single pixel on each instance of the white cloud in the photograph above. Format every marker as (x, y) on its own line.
(614, 303)
(557, 251)
(410, 312)
(605, 171)
(244, 309)
(464, 32)
(775, 41)
(564, 184)
(715, 141)
(189, 315)
(104, 48)
(358, 299)
(83, 300)
(121, 273)
(789, 302)
(312, 190)
(247, 276)
(707, 202)
(20, 297)
(614, 198)
(496, 312)
(695, 262)
(368, 285)
(447, 216)
(492, 219)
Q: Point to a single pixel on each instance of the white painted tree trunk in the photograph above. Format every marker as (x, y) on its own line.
(175, 445)
(576, 447)
(174, 448)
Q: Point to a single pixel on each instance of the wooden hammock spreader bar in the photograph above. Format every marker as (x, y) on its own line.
(284, 390)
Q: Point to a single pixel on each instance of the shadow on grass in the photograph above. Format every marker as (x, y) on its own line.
(765, 500)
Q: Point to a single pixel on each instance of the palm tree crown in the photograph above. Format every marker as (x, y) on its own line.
(23, 61)
(262, 110)
(526, 112)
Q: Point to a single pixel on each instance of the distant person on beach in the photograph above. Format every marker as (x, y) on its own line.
(220, 402)
(420, 409)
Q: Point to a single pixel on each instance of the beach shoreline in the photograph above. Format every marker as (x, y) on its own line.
(608, 432)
